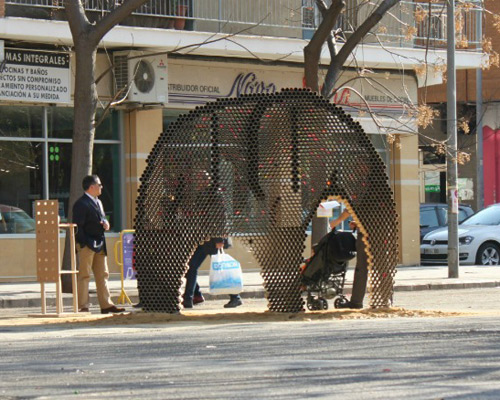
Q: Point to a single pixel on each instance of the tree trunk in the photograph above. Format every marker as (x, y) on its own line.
(85, 104)
(331, 77)
(312, 51)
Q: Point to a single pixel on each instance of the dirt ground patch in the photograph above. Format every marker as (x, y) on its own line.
(223, 317)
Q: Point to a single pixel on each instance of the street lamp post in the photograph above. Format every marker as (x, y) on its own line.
(479, 121)
(451, 155)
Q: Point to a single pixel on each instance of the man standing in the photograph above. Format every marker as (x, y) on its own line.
(88, 214)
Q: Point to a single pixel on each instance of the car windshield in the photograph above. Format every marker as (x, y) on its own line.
(428, 217)
(488, 216)
(16, 222)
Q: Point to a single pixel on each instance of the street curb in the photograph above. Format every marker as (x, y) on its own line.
(446, 286)
(251, 292)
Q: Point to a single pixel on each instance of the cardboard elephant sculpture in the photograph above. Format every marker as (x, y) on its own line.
(257, 167)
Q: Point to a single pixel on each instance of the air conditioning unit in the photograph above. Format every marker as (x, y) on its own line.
(141, 78)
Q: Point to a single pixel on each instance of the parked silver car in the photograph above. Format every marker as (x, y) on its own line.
(478, 236)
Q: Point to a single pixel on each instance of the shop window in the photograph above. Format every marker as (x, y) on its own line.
(20, 184)
(22, 173)
(17, 121)
(107, 125)
(60, 123)
(59, 160)
(435, 186)
(431, 156)
(109, 173)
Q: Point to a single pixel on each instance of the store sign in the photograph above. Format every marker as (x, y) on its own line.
(35, 76)
(197, 82)
(200, 88)
(432, 188)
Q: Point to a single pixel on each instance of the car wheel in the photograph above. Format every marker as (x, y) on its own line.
(488, 254)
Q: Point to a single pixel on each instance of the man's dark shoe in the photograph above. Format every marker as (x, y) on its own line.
(198, 299)
(83, 309)
(112, 310)
(187, 304)
(138, 305)
(351, 305)
(233, 303)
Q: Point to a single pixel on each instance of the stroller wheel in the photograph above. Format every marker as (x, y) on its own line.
(310, 305)
(339, 301)
(314, 304)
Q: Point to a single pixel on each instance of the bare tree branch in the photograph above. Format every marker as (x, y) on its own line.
(312, 52)
(353, 40)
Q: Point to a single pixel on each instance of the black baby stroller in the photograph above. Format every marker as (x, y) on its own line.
(323, 275)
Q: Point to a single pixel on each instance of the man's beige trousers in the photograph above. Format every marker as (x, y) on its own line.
(97, 262)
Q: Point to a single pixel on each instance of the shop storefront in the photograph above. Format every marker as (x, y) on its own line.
(36, 125)
(35, 140)
(35, 160)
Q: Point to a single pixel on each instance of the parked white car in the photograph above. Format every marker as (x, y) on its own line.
(478, 237)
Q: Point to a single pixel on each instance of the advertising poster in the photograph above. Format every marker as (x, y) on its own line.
(128, 254)
(35, 76)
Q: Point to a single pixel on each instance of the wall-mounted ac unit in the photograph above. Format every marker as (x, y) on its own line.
(140, 77)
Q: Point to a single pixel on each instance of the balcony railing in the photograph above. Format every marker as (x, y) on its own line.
(408, 24)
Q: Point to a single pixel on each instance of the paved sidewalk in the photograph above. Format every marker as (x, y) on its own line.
(27, 294)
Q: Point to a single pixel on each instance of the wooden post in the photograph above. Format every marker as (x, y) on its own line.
(71, 232)
(44, 304)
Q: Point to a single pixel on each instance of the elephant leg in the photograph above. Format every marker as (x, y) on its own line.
(161, 262)
(280, 255)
